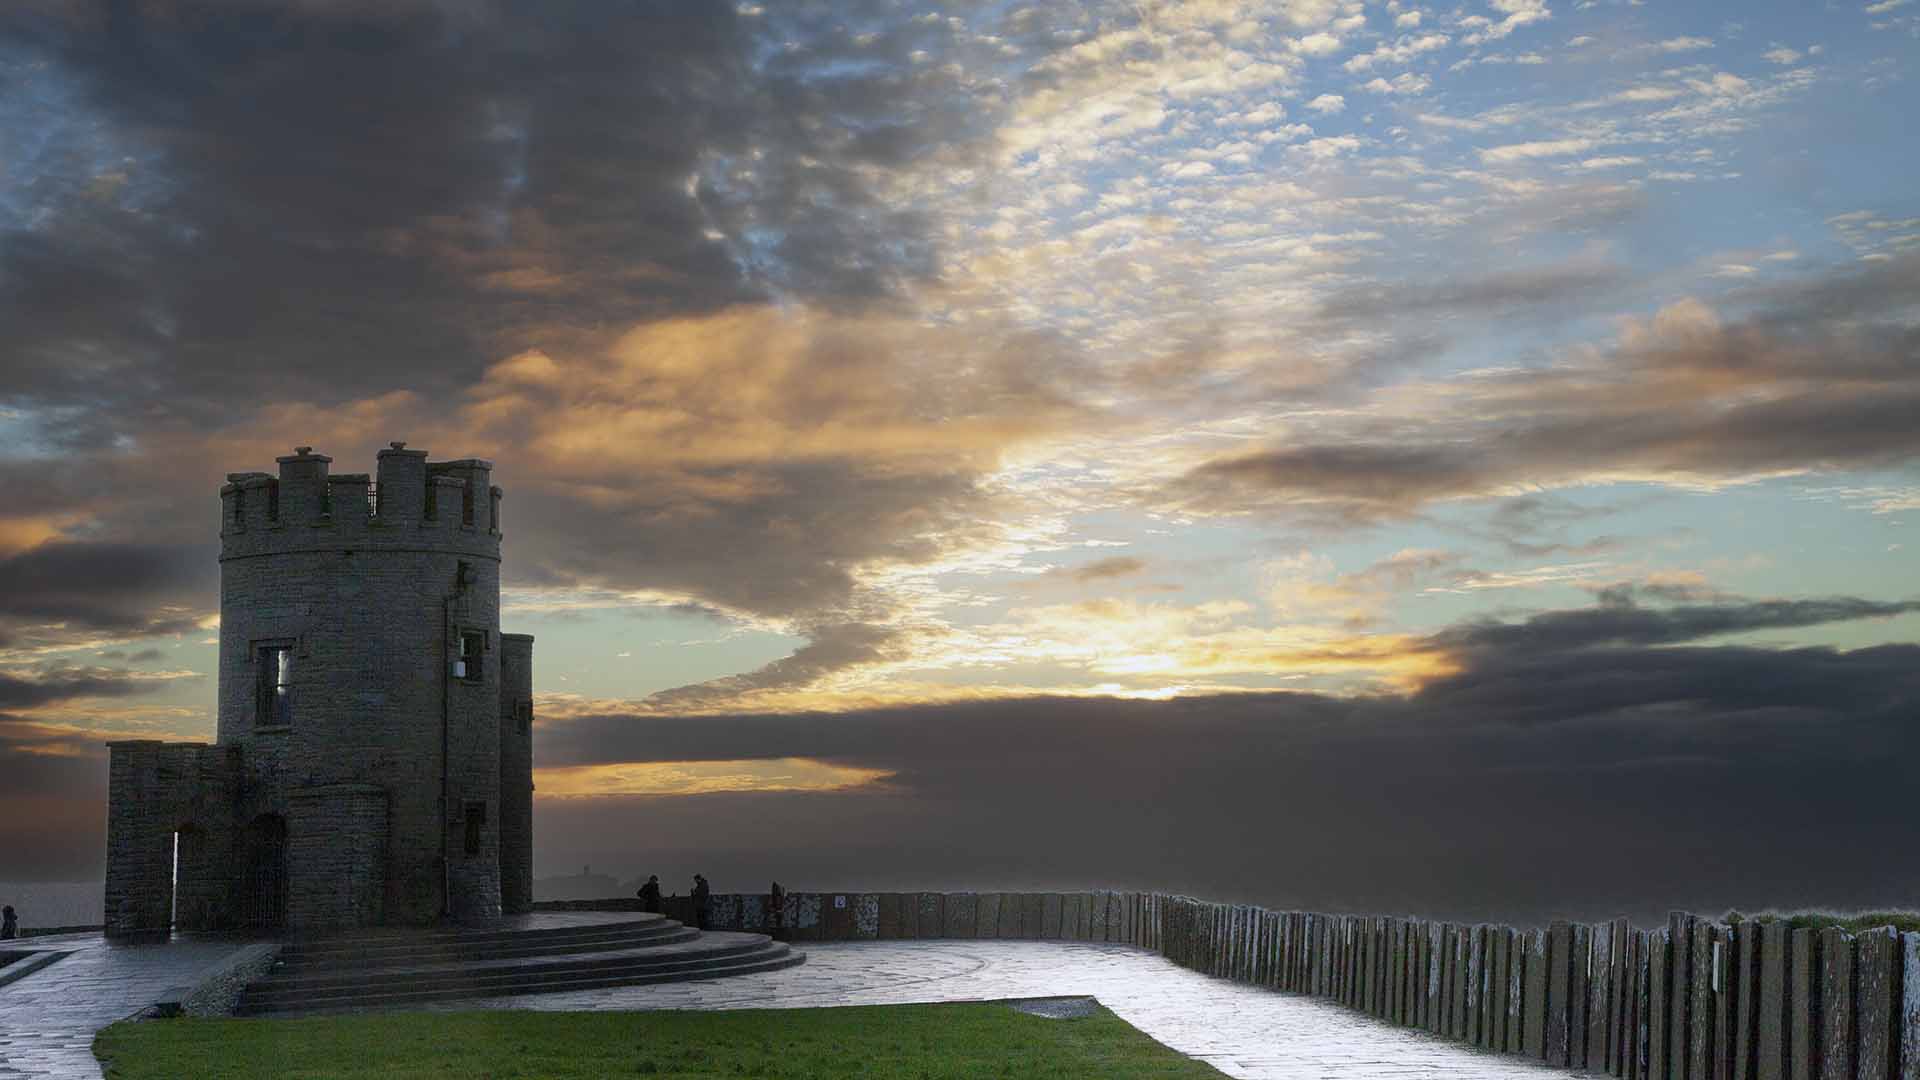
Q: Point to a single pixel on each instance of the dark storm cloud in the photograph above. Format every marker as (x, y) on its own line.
(1829, 380)
(238, 202)
(1696, 777)
(316, 197)
(247, 220)
(18, 691)
(79, 589)
(1620, 621)
(1587, 773)
(56, 803)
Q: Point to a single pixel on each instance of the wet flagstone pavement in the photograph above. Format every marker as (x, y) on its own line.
(47, 1020)
(1243, 1031)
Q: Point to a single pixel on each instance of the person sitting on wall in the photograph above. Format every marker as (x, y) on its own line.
(700, 893)
(649, 894)
(9, 924)
(777, 912)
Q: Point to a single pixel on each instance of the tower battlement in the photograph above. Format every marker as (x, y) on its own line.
(408, 502)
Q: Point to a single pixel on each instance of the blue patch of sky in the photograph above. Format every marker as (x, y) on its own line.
(579, 652)
(55, 147)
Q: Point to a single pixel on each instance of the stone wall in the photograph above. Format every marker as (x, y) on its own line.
(337, 856)
(516, 773)
(156, 790)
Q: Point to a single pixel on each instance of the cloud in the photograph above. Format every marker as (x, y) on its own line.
(1398, 52)
(1817, 383)
(1484, 293)
(1501, 155)
(1407, 83)
(1521, 765)
(1620, 620)
(51, 685)
(1682, 44)
(1517, 13)
(64, 593)
(1105, 569)
(1328, 104)
(756, 459)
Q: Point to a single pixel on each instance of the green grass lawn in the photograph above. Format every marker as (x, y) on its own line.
(909, 1041)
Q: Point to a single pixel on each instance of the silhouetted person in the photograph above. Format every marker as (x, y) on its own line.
(700, 893)
(777, 911)
(9, 924)
(650, 894)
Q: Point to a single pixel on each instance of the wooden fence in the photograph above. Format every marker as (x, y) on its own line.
(1693, 1000)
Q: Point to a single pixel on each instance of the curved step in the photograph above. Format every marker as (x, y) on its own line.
(767, 955)
(363, 941)
(405, 954)
(698, 948)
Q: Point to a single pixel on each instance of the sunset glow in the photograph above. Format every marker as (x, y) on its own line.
(1529, 382)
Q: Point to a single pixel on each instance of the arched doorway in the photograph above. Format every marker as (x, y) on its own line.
(263, 870)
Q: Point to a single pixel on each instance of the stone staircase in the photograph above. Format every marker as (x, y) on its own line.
(533, 955)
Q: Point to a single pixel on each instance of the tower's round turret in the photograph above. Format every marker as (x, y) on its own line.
(360, 674)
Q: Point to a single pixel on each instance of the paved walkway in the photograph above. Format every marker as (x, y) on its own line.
(47, 1020)
(1243, 1031)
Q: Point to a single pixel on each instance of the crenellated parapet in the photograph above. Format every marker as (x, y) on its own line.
(409, 504)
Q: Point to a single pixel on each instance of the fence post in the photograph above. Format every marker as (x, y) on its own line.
(1476, 983)
(1457, 983)
(1516, 992)
(1745, 969)
(1802, 1007)
(1642, 997)
(1878, 970)
(1625, 987)
(1910, 1006)
(1772, 1039)
(1558, 977)
(1659, 978)
(1725, 995)
(1579, 995)
(1700, 1005)
(1679, 995)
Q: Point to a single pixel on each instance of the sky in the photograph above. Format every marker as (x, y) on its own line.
(1455, 459)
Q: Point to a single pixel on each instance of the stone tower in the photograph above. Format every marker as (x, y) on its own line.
(374, 754)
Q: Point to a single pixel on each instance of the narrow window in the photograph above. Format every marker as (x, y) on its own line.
(466, 504)
(274, 675)
(473, 643)
(273, 500)
(476, 824)
(239, 508)
(373, 498)
(523, 715)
